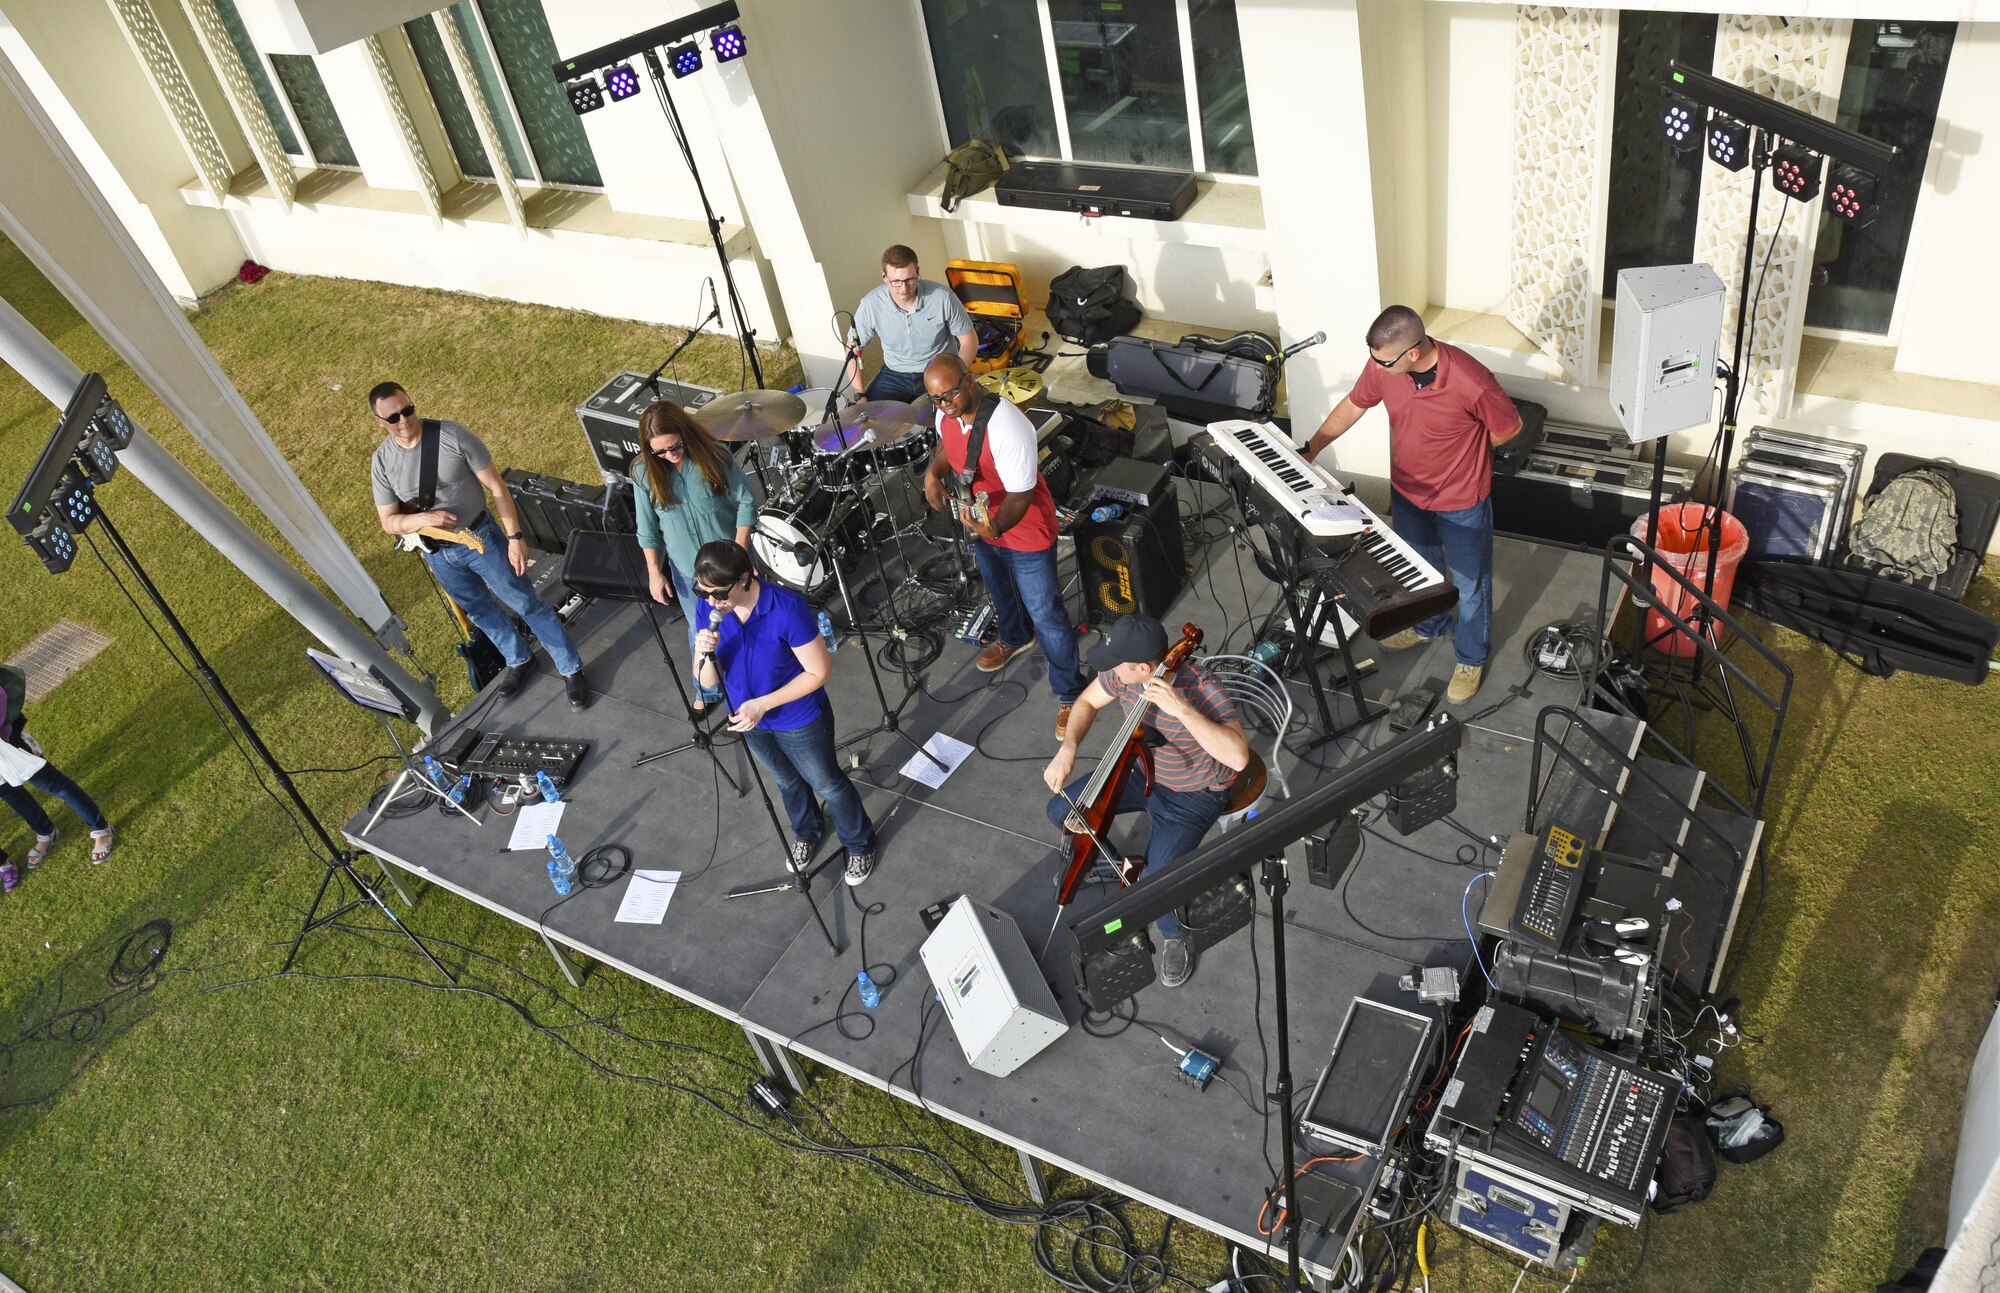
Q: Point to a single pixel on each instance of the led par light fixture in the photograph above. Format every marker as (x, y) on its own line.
(1681, 123)
(585, 95)
(1850, 196)
(727, 43)
(1795, 172)
(685, 58)
(621, 82)
(1728, 142)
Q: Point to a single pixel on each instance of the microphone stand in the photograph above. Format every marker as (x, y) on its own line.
(703, 736)
(799, 880)
(892, 716)
(714, 316)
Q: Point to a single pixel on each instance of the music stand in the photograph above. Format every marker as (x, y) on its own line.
(367, 688)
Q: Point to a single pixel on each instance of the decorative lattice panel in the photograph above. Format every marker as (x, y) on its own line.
(1562, 96)
(482, 117)
(427, 185)
(163, 69)
(1799, 62)
(242, 96)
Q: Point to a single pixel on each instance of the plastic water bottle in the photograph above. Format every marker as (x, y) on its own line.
(826, 632)
(871, 996)
(435, 771)
(1265, 653)
(548, 785)
(1107, 511)
(562, 868)
(457, 795)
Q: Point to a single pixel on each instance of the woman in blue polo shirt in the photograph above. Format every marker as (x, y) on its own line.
(688, 492)
(774, 668)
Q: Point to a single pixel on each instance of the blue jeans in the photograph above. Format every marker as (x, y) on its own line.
(1461, 542)
(1180, 819)
(892, 385)
(482, 583)
(51, 781)
(802, 762)
(1028, 605)
(684, 590)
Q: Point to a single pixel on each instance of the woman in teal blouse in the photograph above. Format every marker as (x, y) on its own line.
(689, 492)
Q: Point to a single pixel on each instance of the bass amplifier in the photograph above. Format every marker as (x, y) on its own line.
(610, 417)
(552, 509)
(1138, 561)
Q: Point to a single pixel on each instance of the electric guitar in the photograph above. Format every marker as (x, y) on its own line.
(424, 538)
(963, 502)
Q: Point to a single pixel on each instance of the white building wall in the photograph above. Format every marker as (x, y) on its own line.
(1469, 147)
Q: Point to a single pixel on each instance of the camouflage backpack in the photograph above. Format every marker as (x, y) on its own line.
(1910, 526)
(970, 168)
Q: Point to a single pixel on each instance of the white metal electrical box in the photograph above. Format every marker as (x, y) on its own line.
(993, 992)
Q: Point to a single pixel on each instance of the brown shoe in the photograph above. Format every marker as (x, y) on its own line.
(995, 657)
(1062, 722)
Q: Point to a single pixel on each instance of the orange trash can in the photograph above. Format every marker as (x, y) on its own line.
(1686, 534)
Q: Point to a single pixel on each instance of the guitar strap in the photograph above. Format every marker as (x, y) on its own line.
(975, 439)
(427, 465)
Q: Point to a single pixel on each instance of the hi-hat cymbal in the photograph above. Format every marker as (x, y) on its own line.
(751, 415)
(888, 419)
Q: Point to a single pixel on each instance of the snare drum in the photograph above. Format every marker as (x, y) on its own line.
(794, 546)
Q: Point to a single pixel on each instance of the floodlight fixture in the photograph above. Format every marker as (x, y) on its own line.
(584, 95)
(621, 82)
(113, 424)
(1681, 123)
(73, 505)
(1850, 196)
(1728, 142)
(54, 545)
(96, 456)
(727, 42)
(685, 58)
(1795, 172)
(30, 509)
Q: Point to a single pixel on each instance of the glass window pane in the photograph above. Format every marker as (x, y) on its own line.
(452, 108)
(1655, 189)
(526, 50)
(1123, 86)
(993, 78)
(253, 63)
(1895, 76)
(314, 108)
(1218, 83)
(489, 85)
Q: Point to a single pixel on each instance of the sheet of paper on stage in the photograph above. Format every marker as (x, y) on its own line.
(534, 824)
(950, 751)
(647, 894)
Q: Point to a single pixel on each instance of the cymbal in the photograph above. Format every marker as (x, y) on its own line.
(888, 419)
(1015, 385)
(751, 415)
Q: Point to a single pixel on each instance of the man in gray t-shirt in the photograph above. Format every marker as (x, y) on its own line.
(918, 320)
(486, 585)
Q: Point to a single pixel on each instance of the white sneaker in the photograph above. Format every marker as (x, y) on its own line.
(859, 867)
(1465, 680)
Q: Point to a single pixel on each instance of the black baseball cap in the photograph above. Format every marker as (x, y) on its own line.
(1135, 639)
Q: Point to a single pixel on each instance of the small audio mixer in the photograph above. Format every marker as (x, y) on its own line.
(1549, 895)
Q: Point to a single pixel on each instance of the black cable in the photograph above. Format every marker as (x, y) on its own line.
(365, 763)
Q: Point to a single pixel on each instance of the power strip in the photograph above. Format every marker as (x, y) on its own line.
(975, 624)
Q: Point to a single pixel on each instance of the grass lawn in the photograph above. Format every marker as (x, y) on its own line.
(348, 1126)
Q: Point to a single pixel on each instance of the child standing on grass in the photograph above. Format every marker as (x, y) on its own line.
(48, 779)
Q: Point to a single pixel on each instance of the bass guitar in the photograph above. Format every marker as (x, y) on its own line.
(425, 538)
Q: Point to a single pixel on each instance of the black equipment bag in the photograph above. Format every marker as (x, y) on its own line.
(1687, 1166)
(1743, 1130)
(1195, 378)
(1878, 624)
(1089, 306)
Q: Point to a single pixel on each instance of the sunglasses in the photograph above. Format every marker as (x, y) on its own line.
(407, 411)
(671, 451)
(717, 595)
(950, 399)
(1391, 363)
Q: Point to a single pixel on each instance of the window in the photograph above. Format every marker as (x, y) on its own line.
(1895, 77)
(306, 92)
(1654, 189)
(511, 50)
(1139, 82)
(253, 63)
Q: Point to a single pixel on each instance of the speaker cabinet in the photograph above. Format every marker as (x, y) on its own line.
(1663, 343)
(1135, 562)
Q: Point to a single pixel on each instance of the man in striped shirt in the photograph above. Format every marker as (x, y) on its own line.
(1202, 750)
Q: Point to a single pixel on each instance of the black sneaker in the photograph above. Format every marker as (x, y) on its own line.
(578, 690)
(859, 867)
(802, 854)
(512, 678)
(1176, 963)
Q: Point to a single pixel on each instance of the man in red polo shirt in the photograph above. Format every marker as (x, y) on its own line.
(1445, 415)
(1014, 532)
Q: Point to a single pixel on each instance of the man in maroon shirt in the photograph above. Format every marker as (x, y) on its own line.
(1445, 415)
(1013, 523)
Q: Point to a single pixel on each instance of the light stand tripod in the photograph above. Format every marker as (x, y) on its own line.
(746, 335)
(339, 861)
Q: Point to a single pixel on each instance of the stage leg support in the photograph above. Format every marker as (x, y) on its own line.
(1037, 1177)
(561, 960)
(775, 1060)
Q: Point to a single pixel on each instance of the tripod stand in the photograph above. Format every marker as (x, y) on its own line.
(339, 862)
(702, 736)
(892, 715)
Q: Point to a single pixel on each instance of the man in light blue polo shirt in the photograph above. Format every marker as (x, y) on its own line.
(918, 320)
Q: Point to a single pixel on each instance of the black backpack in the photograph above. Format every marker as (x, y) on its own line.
(1088, 306)
(1687, 1165)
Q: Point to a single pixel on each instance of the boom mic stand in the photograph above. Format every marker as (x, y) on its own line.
(339, 861)
(714, 316)
(703, 736)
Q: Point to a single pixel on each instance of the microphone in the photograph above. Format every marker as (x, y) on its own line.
(867, 438)
(1297, 346)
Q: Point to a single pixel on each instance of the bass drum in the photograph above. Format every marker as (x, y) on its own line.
(794, 546)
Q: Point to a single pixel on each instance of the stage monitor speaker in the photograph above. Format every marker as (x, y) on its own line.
(1135, 562)
(1663, 345)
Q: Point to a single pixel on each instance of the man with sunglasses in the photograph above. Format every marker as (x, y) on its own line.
(918, 320)
(1014, 536)
(486, 585)
(760, 644)
(1445, 415)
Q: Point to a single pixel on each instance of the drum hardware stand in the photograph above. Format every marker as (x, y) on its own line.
(799, 880)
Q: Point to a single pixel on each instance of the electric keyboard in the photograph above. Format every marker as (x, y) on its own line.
(1308, 496)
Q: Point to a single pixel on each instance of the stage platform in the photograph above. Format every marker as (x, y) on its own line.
(1106, 1107)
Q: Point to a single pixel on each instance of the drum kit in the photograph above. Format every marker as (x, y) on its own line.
(833, 490)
